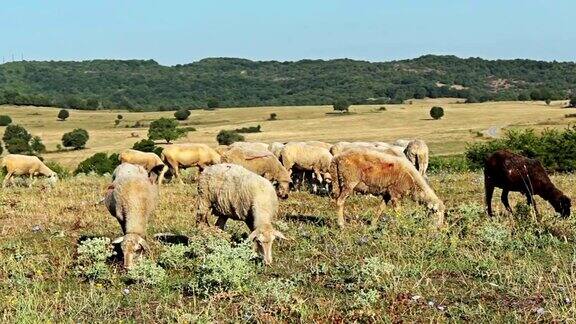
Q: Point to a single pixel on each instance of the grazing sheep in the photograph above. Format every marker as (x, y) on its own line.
(388, 176)
(418, 154)
(264, 164)
(19, 165)
(147, 160)
(513, 172)
(343, 146)
(188, 155)
(276, 148)
(305, 157)
(402, 143)
(231, 191)
(250, 145)
(131, 199)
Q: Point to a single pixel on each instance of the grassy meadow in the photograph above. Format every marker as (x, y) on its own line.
(480, 269)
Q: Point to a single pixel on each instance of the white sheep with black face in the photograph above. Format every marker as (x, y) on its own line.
(131, 198)
(231, 191)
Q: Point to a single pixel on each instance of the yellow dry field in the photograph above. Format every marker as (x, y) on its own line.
(460, 125)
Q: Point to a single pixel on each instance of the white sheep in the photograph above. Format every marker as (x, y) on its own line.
(301, 156)
(131, 198)
(257, 146)
(418, 153)
(179, 156)
(231, 191)
(20, 165)
(148, 160)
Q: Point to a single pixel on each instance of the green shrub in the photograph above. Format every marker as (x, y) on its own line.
(251, 129)
(147, 145)
(99, 163)
(448, 163)
(61, 171)
(494, 235)
(182, 114)
(556, 149)
(147, 273)
(225, 268)
(341, 105)
(63, 114)
(277, 290)
(187, 129)
(91, 260)
(227, 137)
(437, 112)
(17, 140)
(175, 256)
(37, 146)
(572, 102)
(5, 120)
(166, 129)
(273, 116)
(76, 139)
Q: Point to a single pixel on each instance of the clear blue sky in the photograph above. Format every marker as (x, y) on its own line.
(173, 32)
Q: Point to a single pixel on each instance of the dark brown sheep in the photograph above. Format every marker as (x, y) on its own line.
(513, 172)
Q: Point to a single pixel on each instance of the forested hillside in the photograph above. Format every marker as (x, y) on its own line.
(227, 82)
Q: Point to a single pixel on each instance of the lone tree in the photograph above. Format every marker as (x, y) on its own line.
(5, 120)
(63, 114)
(119, 117)
(182, 114)
(548, 101)
(572, 102)
(76, 139)
(212, 103)
(273, 116)
(341, 105)
(166, 129)
(17, 139)
(437, 112)
(227, 137)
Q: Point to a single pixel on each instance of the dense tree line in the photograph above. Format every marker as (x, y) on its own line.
(226, 82)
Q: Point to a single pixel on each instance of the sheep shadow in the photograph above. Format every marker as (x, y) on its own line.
(117, 257)
(307, 219)
(173, 239)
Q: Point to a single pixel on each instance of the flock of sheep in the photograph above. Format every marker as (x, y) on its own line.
(243, 181)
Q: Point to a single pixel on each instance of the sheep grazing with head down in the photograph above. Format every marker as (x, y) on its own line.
(188, 155)
(147, 160)
(263, 163)
(385, 175)
(513, 172)
(418, 154)
(276, 148)
(131, 198)
(256, 146)
(31, 166)
(305, 157)
(231, 191)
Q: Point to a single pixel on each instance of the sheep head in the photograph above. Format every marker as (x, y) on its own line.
(562, 205)
(131, 245)
(53, 178)
(263, 238)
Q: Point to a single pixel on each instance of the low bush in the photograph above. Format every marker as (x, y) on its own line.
(448, 163)
(147, 145)
(60, 170)
(99, 163)
(91, 260)
(5, 120)
(146, 272)
(250, 129)
(556, 149)
(227, 137)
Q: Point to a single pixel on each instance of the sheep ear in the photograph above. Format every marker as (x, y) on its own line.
(118, 240)
(144, 244)
(253, 235)
(279, 235)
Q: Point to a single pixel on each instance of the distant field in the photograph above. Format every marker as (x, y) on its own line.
(460, 125)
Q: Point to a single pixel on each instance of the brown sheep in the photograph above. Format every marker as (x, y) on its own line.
(263, 163)
(187, 155)
(26, 165)
(513, 172)
(385, 175)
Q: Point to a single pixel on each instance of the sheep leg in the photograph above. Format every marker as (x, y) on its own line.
(505, 201)
(221, 222)
(318, 181)
(344, 193)
(489, 191)
(7, 179)
(177, 172)
(204, 211)
(379, 212)
(531, 202)
(31, 180)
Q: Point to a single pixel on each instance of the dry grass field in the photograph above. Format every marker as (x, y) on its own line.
(460, 125)
(510, 268)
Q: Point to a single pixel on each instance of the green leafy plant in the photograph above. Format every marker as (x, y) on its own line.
(5, 120)
(166, 129)
(227, 137)
(99, 163)
(146, 272)
(437, 112)
(76, 139)
(63, 114)
(91, 260)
